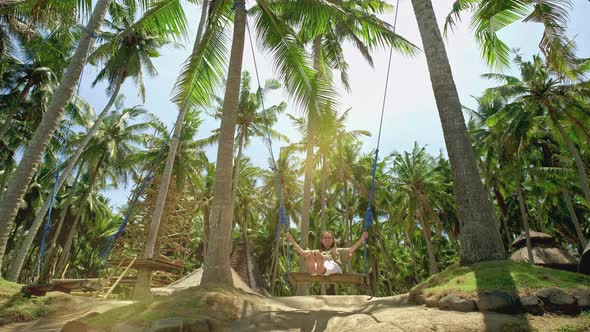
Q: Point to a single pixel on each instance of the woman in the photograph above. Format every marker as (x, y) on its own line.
(327, 260)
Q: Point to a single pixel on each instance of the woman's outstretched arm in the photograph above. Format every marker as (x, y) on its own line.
(358, 243)
(300, 251)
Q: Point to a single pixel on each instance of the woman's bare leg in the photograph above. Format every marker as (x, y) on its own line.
(310, 262)
(319, 260)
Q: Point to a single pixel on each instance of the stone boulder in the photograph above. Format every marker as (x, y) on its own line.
(432, 301)
(532, 304)
(456, 303)
(582, 297)
(496, 301)
(558, 301)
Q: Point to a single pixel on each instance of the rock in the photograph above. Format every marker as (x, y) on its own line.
(78, 326)
(532, 304)
(582, 296)
(455, 303)
(556, 300)
(171, 324)
(432, 301)
(198, 325)
(496, 301)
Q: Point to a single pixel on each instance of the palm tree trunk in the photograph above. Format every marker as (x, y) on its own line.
(65, 255)
(432, 265)
(16, 266)
(32, 156)
(10, 116)
(568, 202)
(480, 238)
(323, 193)
(575, 153)
(144, 277)
(525, 222)
(217, 269)
(236, 176)
(413, 257)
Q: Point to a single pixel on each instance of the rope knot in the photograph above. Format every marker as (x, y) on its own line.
(239, 4)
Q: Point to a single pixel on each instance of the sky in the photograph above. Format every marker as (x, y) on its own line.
(410, 109)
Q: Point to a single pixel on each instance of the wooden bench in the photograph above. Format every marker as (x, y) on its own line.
(64, 286)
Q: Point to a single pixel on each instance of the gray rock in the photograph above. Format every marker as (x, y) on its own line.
(558, 301)
(171, 324)
(532, 305)
(496, 301)
(582, 296)
(455, 303)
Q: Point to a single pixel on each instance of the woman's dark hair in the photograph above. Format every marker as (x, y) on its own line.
(333, 240)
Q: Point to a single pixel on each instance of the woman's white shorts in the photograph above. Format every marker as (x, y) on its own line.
(331, 267)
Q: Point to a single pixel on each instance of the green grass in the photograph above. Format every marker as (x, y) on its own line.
(14, 307)
(515, 278)
(189, 304)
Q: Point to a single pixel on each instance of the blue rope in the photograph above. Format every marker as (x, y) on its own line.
(283, 217)
(369, 212)
(47, 225)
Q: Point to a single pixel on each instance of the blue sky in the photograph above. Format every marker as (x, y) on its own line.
(410, 109)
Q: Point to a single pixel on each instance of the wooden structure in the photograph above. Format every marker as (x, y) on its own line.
(143, 263)
(63, 285)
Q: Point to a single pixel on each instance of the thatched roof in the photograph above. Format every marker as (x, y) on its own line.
(244, 263)
(536, 238)
(544, 256)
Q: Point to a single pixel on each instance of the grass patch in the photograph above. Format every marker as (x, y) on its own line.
(512, 277)
(191, 304)
(14, 307)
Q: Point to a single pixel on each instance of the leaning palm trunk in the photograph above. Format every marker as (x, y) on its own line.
(480, 238)
(144, 276)
(525, 222)
(575, 153)
(65, 256)
(568, 202)
(432, 265)
(236, 176)
(32, 156)
(217, 270)
(16, 266)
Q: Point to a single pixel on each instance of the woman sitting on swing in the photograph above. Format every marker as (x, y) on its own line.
(327, 260)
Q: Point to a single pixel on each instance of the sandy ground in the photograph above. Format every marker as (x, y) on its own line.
(70, 308)
(252, 312)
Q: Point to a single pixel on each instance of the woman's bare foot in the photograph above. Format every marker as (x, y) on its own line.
(310, 262)
(319, 260)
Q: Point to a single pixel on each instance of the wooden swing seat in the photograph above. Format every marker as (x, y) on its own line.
(360, 279)
(64, 286)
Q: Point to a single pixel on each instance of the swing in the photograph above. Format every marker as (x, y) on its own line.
(294, 278)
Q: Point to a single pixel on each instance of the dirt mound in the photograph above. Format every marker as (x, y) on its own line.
(194, 279)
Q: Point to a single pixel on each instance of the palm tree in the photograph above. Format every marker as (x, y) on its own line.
(107, 153)
(543, 89)
(490, 16)
(163, 16)
(480, 238)
(127, 50)
(417, 178)
(32, 156)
